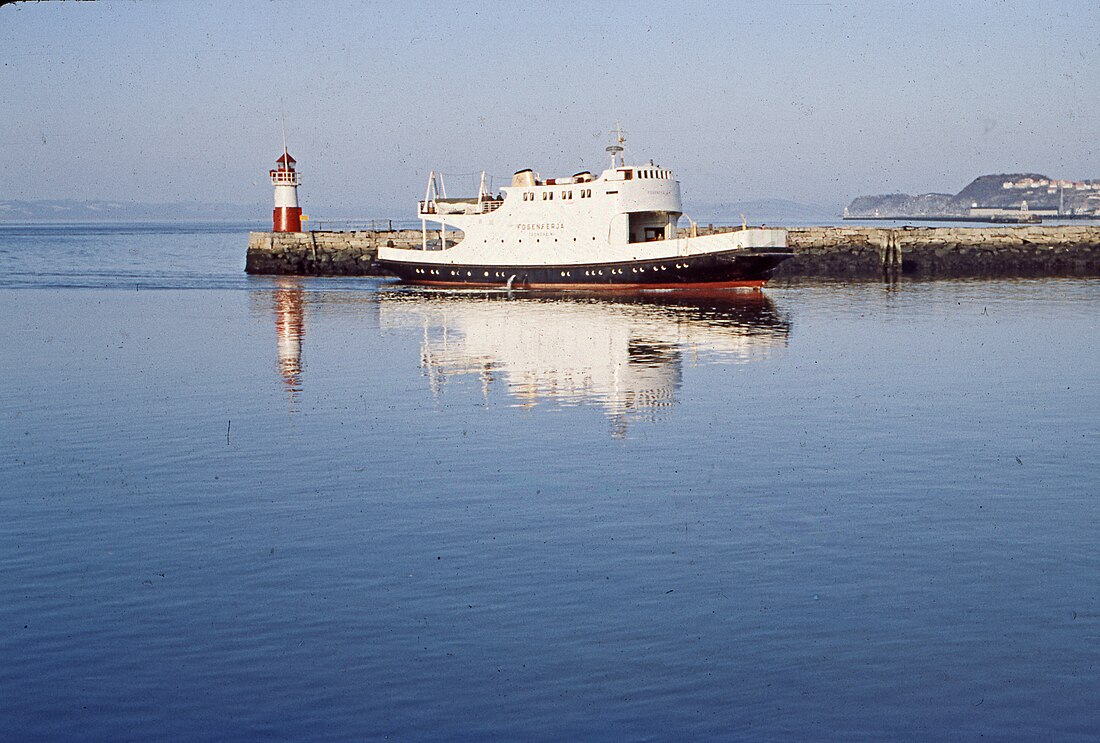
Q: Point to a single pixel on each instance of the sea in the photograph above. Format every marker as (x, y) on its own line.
(275, 508)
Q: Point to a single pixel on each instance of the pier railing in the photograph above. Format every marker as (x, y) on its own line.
(326, 224)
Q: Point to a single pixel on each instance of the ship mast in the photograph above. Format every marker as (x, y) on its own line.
(617, 148)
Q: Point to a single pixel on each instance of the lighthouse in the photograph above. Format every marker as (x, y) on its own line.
(287, 216)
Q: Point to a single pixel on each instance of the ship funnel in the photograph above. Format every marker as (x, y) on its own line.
(523, 178)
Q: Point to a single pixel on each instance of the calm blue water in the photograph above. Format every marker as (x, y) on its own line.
(242, 508)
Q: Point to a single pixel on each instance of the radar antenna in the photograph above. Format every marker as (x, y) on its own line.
(617, 148)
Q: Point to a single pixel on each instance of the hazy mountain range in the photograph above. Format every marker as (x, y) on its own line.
(68, 210)
(757, 211)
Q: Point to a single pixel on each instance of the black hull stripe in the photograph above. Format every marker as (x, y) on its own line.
(731, 268)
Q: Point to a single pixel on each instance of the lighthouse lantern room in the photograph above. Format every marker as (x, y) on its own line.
(287, 216)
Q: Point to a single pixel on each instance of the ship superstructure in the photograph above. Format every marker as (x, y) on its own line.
(615, 230)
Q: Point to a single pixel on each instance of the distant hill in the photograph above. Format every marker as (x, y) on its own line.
(756, 211)
(68, 210)
(1007, 191)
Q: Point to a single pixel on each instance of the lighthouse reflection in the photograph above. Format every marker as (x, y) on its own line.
(289, 306)
(624, 354)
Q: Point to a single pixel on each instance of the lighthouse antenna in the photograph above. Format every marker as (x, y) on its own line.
(282, 122)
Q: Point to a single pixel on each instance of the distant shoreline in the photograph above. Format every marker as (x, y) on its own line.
(999, 219)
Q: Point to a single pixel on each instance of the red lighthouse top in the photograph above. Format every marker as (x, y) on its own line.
(283, 173)
(285, 161)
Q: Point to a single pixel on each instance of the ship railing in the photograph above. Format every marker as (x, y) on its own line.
(489, 205)
(482, 207)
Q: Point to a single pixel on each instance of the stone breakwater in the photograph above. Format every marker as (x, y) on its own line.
(833, 252)
(943, 252)
(329, 253)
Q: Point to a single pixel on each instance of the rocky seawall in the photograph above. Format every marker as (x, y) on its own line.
(329, 253)
(944, 252)
(827, 252)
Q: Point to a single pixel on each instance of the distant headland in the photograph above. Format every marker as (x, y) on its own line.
(1004, 197)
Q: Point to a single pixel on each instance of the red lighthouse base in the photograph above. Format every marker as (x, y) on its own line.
(287, 219)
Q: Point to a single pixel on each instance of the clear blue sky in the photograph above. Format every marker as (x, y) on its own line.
(811, 101)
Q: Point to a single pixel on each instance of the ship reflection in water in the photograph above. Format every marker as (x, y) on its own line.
(290, 328)
(623, 353)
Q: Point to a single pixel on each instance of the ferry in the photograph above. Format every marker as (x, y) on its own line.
(617, 230)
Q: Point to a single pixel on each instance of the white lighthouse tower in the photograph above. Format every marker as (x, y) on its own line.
(287, 216)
